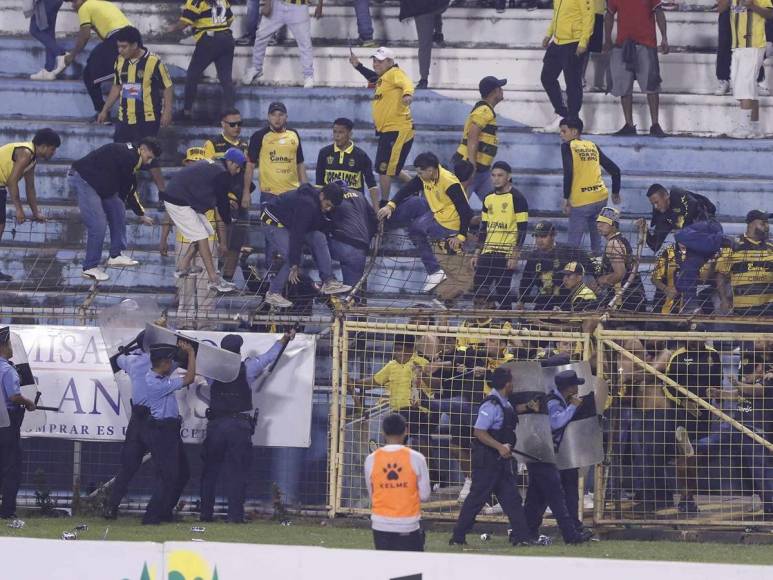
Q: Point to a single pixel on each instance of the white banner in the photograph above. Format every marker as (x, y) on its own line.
(72, 369)
(88, 560)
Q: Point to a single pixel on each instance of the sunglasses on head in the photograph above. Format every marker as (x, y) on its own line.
(234, 123)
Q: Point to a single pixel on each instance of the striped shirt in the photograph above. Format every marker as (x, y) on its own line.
(749, 264)
(207, 16)
(142, 83)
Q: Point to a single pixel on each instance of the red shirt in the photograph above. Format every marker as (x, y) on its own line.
(635, 20)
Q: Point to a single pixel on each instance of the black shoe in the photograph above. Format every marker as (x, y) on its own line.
(626, 131)
(453, 542)
(657, 131)
(8, 516)
(422, 84)
(586, 534)
(5, 277)
(439, 40)
(246, 40)
(110, 513)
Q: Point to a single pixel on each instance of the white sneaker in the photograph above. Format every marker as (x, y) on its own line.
(43, 75)
(333, 286)
(308, 83)
(552, 127)
(221, 286)
(121, 261)
(762, 89)
(276, 299)
(60, 65)
(723, 88)
(433, 280)
(96, 273)
(465, 491)
(251, 75)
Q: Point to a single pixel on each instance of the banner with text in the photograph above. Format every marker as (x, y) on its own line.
(72, 370)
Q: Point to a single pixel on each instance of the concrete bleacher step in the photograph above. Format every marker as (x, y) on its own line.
(682, 72)
(475, 27)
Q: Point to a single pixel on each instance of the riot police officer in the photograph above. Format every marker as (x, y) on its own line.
(136, 363)
(169, 458)
(230, 427)
(493, 464)
(547, 485)
(10, 436)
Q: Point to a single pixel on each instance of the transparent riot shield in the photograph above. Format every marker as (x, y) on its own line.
(33, 420)
(121, 323)
(211, 362)
(533, 437)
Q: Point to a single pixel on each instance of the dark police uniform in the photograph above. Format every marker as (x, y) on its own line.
(138, 441)
(10, 437)
(229, 432)
(491, 473)
(172, 470)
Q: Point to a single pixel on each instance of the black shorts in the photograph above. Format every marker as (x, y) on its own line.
(126, 133)
(237, 231)
(393, 150)
(411, 542)
(3, 199)
(596, 42)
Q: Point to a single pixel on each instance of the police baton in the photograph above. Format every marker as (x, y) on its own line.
(41, 407)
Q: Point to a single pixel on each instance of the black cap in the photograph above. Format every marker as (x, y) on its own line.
(502, 165)
(573, 268)
(488, 84)
(5, 334)
(232, 343)
(757, 214)
(277, 106)
(557, 360)
(544, 228)
(500, 377)
(167, 351)
(568, 379)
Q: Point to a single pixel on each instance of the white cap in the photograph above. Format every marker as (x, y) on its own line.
(384, 53)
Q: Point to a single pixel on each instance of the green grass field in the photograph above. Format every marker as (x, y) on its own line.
(340, 535)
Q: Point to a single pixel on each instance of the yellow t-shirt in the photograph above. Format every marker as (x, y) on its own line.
(752, 30)
(277, 155)
(104, 17)
(441, 205)
(503, 214)
(6, 160)
(398, 380)
(587, 185)
(389, 111)
(485, 118)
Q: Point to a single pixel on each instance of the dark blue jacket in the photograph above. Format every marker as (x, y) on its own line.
(300, 212)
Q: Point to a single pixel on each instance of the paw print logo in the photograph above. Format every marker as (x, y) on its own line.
(393, 471)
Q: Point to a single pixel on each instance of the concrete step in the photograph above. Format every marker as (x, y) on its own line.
(474, 27)
(682, 72)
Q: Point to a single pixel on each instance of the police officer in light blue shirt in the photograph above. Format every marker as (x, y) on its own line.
(230, 426)
(171, 464)
(136, 363)
(10, 437)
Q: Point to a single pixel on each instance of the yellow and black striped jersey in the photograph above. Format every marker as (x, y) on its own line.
(483, 116)
(142, 83)
(207, 16)
(503, 221)
(215, 147)
(749, 264)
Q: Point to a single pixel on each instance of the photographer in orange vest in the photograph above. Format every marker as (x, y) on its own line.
(398, 481)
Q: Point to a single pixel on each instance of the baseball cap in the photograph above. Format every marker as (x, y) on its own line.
(158, 351)
(544, 228)
(757, 214)
(568, 379)
(502, 165)
(277, 106)
(232, 343)
(573, 268)
(195, 154)
(384, 53)
(488, 84)
(609, 215)
(235, 155)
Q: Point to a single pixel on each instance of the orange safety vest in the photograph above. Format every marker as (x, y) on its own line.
(395, 485)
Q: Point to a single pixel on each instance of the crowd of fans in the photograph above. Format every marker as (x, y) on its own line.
(209, 199)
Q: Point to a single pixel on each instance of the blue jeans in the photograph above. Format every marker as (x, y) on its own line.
(279, 238)
(582, 219)
(252, 20)
(415, 214)
(364, 22)
(98, 215)
(47, 37)
(352, 260)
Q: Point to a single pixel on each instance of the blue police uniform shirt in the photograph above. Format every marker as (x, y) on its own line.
(9, 379)
(491, 415)
(136, 365)
(161, 398)
(559, 414)
(255, 365)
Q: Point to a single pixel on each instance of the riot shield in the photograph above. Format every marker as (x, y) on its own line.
(211, 362)
(121, 323)
(5, 420)
(533, 437)
(32, 419)
(582, 369)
